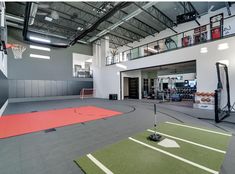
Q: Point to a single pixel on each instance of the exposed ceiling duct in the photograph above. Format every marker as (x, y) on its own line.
(33, 12)
(100, 20)
(126, 18)
(14, 21)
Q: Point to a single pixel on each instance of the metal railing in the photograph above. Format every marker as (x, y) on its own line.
(177, 41)
(83, 73)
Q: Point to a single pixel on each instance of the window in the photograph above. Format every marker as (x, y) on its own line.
(82, 66)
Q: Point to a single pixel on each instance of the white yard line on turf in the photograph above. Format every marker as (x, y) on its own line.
(190, 142)
(99, 164)
(176, 157)
(192, 127)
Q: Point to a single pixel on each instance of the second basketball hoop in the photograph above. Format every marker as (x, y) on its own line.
(17, 50)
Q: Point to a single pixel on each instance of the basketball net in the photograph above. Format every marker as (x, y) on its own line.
(17, 50)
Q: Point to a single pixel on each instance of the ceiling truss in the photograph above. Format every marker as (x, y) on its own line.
(157, 15)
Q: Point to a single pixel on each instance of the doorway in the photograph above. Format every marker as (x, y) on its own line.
(133, 84)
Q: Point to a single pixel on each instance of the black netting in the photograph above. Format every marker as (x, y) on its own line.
(222, 94)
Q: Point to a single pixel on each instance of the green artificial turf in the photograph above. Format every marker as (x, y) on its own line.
(127, 157)
(196, 154)
(206, 138)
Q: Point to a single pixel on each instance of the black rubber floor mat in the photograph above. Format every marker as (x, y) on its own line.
(33, 111)
(50, 130)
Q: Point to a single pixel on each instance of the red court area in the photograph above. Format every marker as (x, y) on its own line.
(18, 124)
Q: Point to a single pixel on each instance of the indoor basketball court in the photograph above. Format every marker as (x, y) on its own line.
(117, 87)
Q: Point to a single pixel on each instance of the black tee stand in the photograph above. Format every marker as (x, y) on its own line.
(155, 136)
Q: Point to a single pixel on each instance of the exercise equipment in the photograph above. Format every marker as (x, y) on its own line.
(216, 25)
(155, 136)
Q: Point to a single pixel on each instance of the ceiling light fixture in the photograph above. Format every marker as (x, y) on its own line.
(80, 29)
(39, 39)
(49, 19)
(223, 46)
(39, 56)
(39, 48)
(204, 50)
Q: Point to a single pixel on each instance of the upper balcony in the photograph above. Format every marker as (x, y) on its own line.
(218, 29)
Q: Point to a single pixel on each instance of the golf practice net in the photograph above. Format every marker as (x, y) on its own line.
(222, 93)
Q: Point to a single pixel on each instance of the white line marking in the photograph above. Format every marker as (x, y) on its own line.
(99, 164)
(190, 142)
(206, 130)
(176, 157)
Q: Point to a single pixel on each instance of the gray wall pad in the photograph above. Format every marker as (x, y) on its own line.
(46, 88)
(3, 89)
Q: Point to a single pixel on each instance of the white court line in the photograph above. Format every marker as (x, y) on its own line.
(176, 157)
(192, 127)
(190, 142)
(99, 164)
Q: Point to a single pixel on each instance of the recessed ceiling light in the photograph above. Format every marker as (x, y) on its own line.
(39, 48)
(223, 46)
(48, 19)
(39, 56)
(79, 28)
(204, 50)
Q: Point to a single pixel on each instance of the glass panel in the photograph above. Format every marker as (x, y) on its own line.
(82, 66)
(200, 34)
(153, 48)
(116, 58)
(162, 45)
(171, 42)
(143, 51)
(126, 55)
(187, 38)
(134, 53)
(229, 26)
(108, 60)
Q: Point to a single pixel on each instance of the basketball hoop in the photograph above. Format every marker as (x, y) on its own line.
(17, 50)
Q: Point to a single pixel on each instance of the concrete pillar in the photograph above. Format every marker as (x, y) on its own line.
(104, 50)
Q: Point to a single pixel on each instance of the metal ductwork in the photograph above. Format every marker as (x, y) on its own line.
(121, 21)
(100, 20)
(33, 12)
(17, 22)
(26, 28)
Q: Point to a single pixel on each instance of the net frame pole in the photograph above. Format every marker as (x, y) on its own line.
(219, 87)
(216, 107)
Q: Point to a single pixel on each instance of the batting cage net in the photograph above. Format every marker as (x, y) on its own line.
(222, 93)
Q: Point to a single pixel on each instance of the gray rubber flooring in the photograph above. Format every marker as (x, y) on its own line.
(54, 152)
